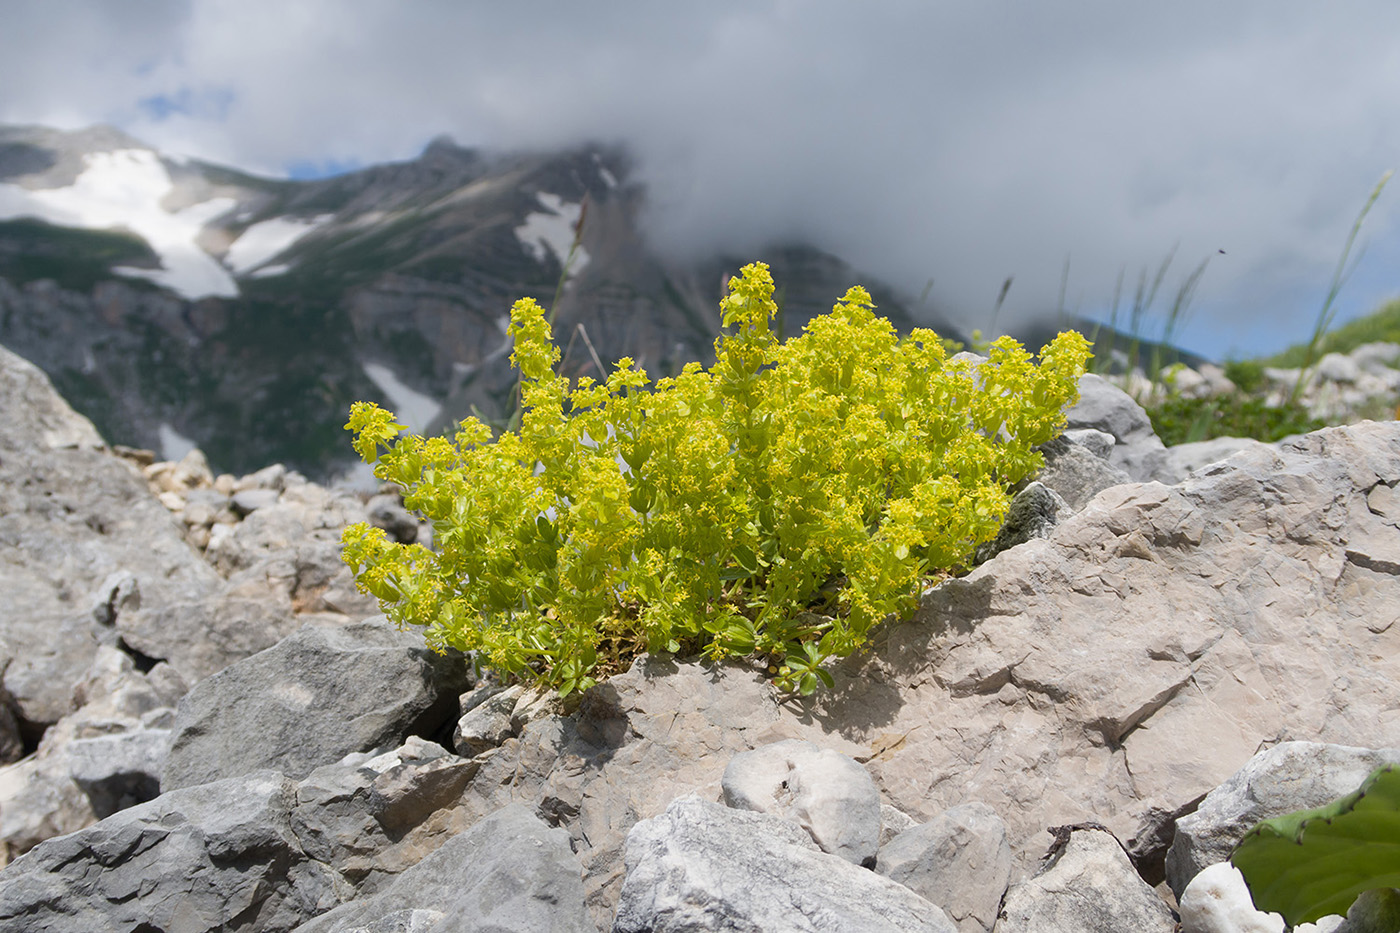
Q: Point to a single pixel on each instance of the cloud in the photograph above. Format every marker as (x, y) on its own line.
(959, 142)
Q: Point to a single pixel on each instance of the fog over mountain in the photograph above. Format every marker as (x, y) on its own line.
(962, 143)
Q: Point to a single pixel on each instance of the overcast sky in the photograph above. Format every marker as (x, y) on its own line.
(961, 142)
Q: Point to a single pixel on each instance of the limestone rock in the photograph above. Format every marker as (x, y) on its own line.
(1103, 406)
(1086, 886)
(104, 756)
(71, 515)
(700, 866)
(1140, 655)
(1217, 901)
(1077, 472)
(370, 817)
(314, 697)
(202, 637)
(826, 793)
(1034, 511)
(217, 856)
(487, 721)
(509, 873)
(1288, 777)
(959, 860)
(1184, 459)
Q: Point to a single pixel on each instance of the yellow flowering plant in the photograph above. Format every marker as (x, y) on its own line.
(777, 505)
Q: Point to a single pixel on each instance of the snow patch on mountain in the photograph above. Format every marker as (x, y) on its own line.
(262, 241)
(124, 189)
(411, 407)
(552, 231)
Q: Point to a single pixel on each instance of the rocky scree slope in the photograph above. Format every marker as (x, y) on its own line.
(218, 734)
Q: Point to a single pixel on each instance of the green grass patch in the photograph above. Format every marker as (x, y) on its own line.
(1381, 326)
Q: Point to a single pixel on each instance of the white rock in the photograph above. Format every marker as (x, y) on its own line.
(1217, 901)
(826, 793)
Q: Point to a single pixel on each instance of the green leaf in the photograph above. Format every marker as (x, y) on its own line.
(746, 558)
(1313, 863)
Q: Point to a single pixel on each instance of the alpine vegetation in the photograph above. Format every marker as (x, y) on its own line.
(777, 505)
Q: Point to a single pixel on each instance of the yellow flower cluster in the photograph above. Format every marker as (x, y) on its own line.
(779, 504)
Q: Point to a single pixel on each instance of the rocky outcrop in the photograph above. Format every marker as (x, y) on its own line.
(115, 605)
(73, 517)
(1053, 722)
(320, 694)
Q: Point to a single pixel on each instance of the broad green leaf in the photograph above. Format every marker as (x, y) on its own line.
(1313, 863)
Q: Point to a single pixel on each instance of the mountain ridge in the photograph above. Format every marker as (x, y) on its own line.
(180, 303)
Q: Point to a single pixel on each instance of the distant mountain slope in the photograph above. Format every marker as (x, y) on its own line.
(177, 302)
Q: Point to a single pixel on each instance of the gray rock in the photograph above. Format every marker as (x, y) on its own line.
(509, 873)
(1099, 443)
(826, 793)
(1034, 511)
(39, 800)
(272, 477)
(1077, 472)
(119, 592)
(1377, 358)
(202, 637)
(213, 857)
(271, 852)
(1338, 367)
(318, 695)
(91, 762)
(71, 516)
(700, 866)
(386, 511)
(959, 860)
(1105, 407)
(1184, 459)
(893, 822)
(1086, 886)
(487, 721)
(370, 817)
(250, 500)
(1287, 777)
(118, 771)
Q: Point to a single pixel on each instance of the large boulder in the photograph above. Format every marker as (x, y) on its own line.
(700, 866)
(826, 793)
(1285, 778)
(1126, 665)
(474, 882)
(959, 860)
(314, 697)
(71, 515)
(1087, 885)
(218, 856)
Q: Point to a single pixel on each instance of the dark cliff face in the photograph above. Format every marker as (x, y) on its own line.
(410, 269)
